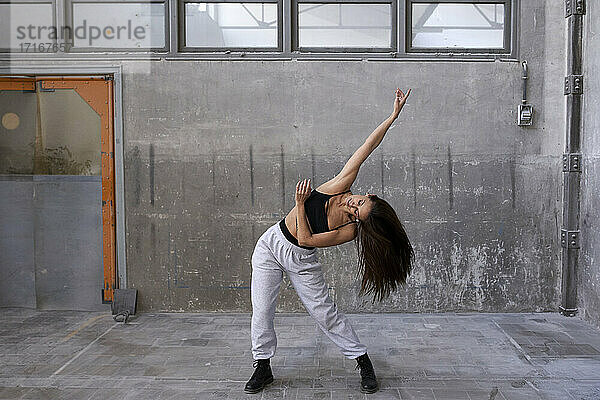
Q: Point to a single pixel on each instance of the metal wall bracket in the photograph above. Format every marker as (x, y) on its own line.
(576, 7)
(573, 84)
(572, 162)
(44, 89)
(569, 239)
(104, 301)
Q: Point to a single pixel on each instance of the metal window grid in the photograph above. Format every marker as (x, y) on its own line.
(82, 49)
(341, 49)
(182, 25)
(508, 32)
(51, 2)
(287, 37)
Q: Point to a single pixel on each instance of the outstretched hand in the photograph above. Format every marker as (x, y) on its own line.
(302, 191)
(399, 102)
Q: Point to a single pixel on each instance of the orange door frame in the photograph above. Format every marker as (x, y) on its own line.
(98, 93)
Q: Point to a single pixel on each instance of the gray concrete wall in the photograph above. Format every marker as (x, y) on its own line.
(589, 271)
(214, 149)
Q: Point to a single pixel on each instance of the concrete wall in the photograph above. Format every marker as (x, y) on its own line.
(214, 149)
(589, 270)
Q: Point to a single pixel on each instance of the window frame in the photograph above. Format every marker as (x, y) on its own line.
(181, 39)
(287, 37)
(508, 43)
(341, 49)
(69, 21)
(4, 50)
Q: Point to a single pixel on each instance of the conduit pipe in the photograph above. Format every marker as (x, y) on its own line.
(573, 90)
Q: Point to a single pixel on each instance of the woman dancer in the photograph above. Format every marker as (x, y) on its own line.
(384, 256)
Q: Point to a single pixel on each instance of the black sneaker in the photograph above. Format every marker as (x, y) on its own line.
(261, 377)
(368, 382)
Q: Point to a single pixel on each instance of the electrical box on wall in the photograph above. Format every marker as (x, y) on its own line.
(525, 111)
(525, 116)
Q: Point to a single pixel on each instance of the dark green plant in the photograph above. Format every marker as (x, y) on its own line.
(60, 161)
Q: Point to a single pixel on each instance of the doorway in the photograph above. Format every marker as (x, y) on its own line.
(57, 192)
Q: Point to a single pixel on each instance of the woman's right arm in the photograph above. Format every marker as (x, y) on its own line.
(344, 180)
(325, 239)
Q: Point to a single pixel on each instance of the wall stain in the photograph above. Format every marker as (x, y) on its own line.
(251, 177)
(182, 185)
(513, 187)
(153, 240)
(174, 266)
(212, 173)
(414, 177)
(450, 180)
(282, 160)
(312, 163)
(136, 164)
(151, 172)
(382, 183)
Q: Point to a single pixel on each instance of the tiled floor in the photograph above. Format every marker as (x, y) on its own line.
(79, 355)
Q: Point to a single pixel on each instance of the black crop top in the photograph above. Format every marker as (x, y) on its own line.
(317, 216)
(317, 213)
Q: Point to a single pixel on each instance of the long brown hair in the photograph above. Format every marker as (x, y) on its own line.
(385, 255)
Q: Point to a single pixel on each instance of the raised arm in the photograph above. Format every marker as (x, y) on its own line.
(347, 175)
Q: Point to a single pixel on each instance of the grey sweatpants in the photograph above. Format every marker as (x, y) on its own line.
(273, 255)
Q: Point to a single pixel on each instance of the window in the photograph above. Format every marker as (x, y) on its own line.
(231, 25)
(264, 29)
(458, 26)
(122, 26)
(26, 27)
(339, 26)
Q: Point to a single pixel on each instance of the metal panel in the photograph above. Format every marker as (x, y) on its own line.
(17, 277)
(68, 242)
(574, 7)
(572, 162)
(569, 239)
(24, 84)
(573, 84)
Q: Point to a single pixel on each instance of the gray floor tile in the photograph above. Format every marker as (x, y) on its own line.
(416, 394)
(207, 356)
(450, 394)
